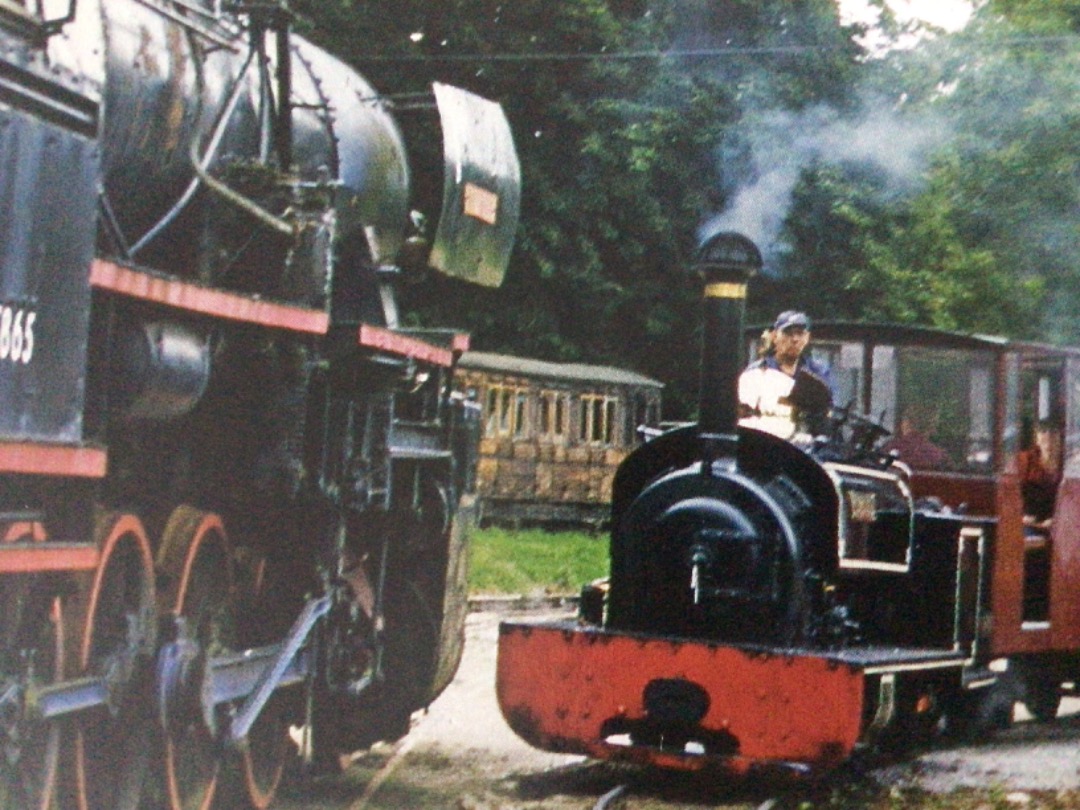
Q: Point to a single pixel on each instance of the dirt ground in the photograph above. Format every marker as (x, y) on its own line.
(462, 756)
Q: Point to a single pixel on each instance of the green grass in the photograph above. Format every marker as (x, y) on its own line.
(533, 561)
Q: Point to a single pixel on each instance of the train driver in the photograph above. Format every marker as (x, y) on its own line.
(768, 399)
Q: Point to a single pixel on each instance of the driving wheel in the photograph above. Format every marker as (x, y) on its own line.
(195, 566)
(262, 759)
(31, 655)
(118, 630)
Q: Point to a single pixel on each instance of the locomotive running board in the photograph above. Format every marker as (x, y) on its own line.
(31, 557)
(237, 307)
(675, 703)
(44, 458)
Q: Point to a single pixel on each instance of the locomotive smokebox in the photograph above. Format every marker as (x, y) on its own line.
(725, 261)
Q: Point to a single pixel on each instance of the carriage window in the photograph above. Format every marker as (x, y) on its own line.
(520, 413)
(609, 422)
(597, 419)
(939, 403)
(552, 414)
(504, 411)
(1042, 412)
(883, 386)
(1072, 432)
(844, 361)
(1010, 429)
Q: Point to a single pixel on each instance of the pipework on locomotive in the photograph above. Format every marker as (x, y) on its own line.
(234, 491)
(775, 604)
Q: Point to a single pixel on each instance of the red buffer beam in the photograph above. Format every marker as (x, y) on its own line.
(605, 694)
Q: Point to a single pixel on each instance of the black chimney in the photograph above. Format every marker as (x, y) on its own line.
(725, 261)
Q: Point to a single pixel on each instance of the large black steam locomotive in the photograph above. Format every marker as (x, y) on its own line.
(775, 602)
(233, 489)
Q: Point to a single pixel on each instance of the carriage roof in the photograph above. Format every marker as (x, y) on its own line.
(543, 369)
(906, 334)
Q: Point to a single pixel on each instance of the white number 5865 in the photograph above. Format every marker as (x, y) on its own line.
(16, 334)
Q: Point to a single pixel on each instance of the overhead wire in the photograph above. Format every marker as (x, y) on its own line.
(689, 53)
(578, 56)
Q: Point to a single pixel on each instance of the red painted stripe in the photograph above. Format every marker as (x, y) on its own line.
(375, 337)
(460, 342)
(35, 558)
(171, 292)
(29, 458)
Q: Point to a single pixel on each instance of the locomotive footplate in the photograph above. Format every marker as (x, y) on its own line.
(874, 660)
(688, 704)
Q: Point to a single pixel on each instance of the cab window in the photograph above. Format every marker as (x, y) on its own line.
(939, 405)
(845, 364)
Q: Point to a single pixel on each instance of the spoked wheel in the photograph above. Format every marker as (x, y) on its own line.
(31, 654)
(118, 630)
(196, 565)
(262, 759)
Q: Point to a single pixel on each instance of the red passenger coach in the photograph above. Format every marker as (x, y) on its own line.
(779, 601)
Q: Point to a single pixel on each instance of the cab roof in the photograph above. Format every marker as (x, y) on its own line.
(909, 335)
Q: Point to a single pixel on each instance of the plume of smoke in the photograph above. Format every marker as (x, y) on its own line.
(782, 144)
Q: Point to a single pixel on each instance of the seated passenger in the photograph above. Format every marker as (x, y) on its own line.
(1038, 472)
(766, 386)
(913, 446)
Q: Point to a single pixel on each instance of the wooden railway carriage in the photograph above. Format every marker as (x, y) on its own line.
(233, 489)
(981, 401)
(777, 602)
(553, 435)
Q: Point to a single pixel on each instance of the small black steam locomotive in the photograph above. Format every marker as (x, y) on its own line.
(774, 603)
(234, 491)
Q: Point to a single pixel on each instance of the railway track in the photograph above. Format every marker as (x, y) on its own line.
(461, 756)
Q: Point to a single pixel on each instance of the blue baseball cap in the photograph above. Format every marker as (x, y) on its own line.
(789, 318)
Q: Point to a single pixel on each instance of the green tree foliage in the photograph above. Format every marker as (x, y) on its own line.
(933, 185)
(995, 230)
(987, 238)
(619, 145)
(1033, 16)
